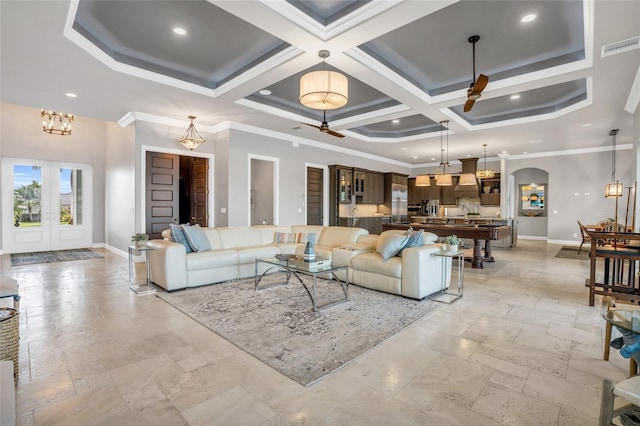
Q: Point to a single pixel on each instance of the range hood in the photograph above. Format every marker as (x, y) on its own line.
(469, 165)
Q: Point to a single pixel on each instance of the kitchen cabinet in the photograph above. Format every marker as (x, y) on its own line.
(359, 182)
(345, 189)
(373, 188)
(447, 196)
(418, 194)
(491, 198)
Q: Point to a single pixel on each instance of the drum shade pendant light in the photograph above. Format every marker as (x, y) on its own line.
(485, 173)
(467, 179)
(444, 179)
(192, 138)
(423, 180)
(324, 89)
(614, 189)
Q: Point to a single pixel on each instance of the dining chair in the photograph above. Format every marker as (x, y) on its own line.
(628, 389)
(586, 238)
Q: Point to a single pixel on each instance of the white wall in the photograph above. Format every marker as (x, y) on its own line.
(575, 190)
(21, 136)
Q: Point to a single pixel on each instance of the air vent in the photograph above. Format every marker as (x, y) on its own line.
(621, 46)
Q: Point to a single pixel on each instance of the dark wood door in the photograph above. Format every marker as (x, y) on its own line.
(162, 184)
(199, 191)
(314, 196)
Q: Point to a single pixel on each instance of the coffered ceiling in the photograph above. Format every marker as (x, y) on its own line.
(409, 64)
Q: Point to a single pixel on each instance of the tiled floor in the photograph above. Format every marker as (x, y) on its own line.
(522, 347)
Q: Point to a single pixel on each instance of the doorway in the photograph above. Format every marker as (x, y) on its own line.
(315, 198)
(46, 205)
(263, 193)
(177, 191)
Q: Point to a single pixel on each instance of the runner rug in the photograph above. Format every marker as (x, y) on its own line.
(278, 326)
(18, 259)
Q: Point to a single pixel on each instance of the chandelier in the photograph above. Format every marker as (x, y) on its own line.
(324, 89)
(614, 189)
(192, 138)
(444, 179)
(58, 123)
(485, 173)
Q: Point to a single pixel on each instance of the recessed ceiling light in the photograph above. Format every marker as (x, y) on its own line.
(586, 125)
(395, 121)
(514, 97)
(468, 155)
(528, 18)
(71, 95)
(524, 152)
(265, 92)
(433, 158)
(504, 152)
(535, 140)
(180, 31)
(404, 148)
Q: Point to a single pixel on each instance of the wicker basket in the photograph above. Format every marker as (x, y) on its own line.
(9, 337)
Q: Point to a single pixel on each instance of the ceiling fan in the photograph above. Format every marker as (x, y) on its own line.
(477, 86)
(324, 127)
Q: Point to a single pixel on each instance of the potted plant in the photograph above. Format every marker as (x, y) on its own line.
(139, 239)
(452, 243)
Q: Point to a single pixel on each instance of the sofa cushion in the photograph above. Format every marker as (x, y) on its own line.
(373, 263)
(415, 239)
(335, 236)
(244, 236)
(211, 259)
(197, 238)
(250, 254)
(429, 238)
(390, 243)
(176, 234)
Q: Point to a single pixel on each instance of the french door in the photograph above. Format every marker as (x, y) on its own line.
(46, 205)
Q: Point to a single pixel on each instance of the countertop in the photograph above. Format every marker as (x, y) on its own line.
(462, 217)
(357, 216)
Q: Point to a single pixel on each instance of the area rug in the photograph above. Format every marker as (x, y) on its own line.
(18, 259)
(278, 326)
(571, 252)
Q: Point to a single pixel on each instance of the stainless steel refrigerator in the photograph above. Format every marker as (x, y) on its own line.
(398, 203)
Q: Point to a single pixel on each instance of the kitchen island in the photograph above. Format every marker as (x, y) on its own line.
(477, 232)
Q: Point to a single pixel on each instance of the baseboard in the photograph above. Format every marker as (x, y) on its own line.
(531, 237)
(116, 250)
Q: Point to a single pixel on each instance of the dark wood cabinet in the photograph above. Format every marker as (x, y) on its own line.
(447, 196)
(373, 188)
(359, 182)
(345, 185)
(491, 198)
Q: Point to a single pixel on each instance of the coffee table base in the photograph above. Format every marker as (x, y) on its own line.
(311, 292)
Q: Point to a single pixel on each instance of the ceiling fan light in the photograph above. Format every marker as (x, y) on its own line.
(324, 90)
(444, 180)
(423, 180)
(467, 179)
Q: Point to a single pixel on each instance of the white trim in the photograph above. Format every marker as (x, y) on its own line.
(531, 237)
(116, 251)
(622, 147)
(345, 23)
(143, 181)
(634, 95)
(276, 185)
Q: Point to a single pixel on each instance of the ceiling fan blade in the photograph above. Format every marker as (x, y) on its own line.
(312, 125)
(479, 85)
(336, 134)
(468, 105)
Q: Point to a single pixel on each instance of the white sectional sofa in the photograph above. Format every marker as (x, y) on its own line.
(416, 274)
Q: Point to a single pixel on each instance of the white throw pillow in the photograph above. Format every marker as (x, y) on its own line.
(390, 243)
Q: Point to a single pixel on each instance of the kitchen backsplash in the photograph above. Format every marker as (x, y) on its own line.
(349, 210)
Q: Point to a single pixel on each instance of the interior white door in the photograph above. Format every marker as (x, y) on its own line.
(46, 205)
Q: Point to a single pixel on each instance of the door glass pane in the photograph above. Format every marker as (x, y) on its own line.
(70, 196)
(27, 195)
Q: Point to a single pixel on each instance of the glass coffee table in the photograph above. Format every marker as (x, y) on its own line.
(299, 269)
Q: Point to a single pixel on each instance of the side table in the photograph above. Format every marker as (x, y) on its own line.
(445, 296)
(141, 289)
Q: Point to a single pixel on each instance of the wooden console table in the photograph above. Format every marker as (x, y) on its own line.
(620, 251)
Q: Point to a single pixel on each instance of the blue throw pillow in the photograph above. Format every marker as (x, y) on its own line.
(197, 238)
(415, 239)
(177, 235)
